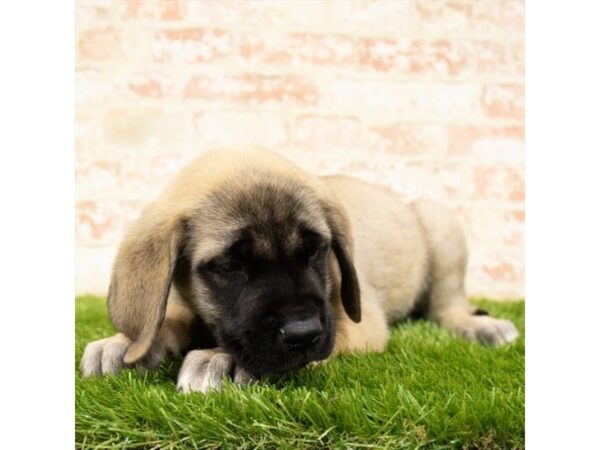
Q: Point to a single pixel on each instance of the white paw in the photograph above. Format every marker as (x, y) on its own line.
(488, 330)
(106, 356)
(203, 370)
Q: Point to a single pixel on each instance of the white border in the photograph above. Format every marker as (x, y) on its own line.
(37, 224)
(562, 224)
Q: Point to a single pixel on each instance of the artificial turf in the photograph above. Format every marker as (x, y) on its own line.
(430, 390)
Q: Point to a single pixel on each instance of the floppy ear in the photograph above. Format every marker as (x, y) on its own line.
(141, 280)
(342, 248)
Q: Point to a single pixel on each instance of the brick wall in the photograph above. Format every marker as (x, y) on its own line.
(423, 96)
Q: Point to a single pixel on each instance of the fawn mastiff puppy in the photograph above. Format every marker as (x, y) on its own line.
(256, 267)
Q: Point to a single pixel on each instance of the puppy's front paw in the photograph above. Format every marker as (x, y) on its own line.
(488, 330)
(203, 370)
(106, 356)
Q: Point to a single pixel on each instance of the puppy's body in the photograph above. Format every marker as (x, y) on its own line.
(262, 254)
(391, 252)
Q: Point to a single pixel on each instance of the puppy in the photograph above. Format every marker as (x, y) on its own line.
(253, 266)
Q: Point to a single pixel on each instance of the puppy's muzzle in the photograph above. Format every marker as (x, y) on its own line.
(301, 334)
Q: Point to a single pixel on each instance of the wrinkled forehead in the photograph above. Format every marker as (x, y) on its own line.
(275, 217)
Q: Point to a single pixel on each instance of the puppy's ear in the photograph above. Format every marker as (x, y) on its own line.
(141, 280)
(342, 248)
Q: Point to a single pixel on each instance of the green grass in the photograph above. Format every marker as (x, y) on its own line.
(428, 390)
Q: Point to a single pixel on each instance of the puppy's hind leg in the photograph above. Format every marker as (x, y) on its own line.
(450, 309)
(447, 304)
(106, 355)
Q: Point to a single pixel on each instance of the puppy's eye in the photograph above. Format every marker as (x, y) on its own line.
(229, 267)
(314, 246)
(222, 267)
(317, 250)
(226, 267)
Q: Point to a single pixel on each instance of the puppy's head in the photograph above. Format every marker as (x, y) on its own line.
(254, 252)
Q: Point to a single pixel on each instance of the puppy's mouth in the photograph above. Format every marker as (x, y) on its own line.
(268, 353)
(283, 361)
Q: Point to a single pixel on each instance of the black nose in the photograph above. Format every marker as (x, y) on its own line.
(301, 334)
